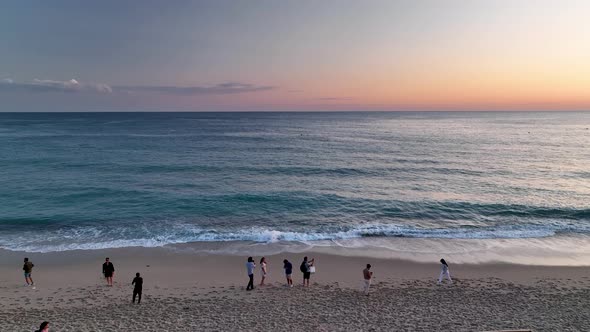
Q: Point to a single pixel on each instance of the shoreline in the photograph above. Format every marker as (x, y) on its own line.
(216, 268)
(563, 250)
(184, 291)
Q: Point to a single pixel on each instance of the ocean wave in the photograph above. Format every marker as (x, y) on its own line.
(90, 238)
(275, 210)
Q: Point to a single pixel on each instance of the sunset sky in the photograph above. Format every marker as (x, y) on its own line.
(294, 55)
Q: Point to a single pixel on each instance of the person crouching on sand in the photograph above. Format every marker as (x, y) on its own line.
(250, 266)
(367, 276)
(108, 270)
(138, 286)
(288, 272)
(28, 268)
(263, 270)
(306, 270)
(444, 270)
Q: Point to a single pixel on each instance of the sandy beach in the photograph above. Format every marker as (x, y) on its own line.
(188, 292)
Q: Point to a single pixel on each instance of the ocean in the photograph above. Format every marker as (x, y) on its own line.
(109, 180)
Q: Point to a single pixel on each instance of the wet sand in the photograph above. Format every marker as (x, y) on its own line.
(195, 292)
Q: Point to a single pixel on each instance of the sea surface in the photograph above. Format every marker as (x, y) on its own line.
(106, 180)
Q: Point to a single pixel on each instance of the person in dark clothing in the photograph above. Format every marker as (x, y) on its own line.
(44, 327)
(305, 268)
(138, 282)
(28, 268)
(288, 271)
(108, 270)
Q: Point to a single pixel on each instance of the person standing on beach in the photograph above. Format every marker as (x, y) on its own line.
(28, 268)
(44, 327)
(263, 270)
(250, 266)
(138, 285)
(305, 268)
(444, 270)
(288, 271)
(367, 276)
(108, 270)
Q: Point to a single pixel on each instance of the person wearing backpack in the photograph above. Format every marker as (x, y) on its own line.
(305, 268)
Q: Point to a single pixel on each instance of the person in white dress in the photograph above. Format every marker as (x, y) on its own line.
(444, 270)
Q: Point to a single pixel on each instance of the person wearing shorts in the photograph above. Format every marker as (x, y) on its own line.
(28, 269)
(288, 272)
(306, 269)
(108, 270)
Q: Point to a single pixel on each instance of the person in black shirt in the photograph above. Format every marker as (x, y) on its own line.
(288, 271)
(108, 270)
(138, 282)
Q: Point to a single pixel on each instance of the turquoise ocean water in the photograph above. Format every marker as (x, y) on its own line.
(102, 180)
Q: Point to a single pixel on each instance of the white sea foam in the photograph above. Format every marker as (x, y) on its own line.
(90, 238)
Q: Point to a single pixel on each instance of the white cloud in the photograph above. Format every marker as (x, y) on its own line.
(38, 85)
(219, 89)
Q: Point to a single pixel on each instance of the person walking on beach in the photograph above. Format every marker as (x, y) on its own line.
(28, 268)
(305, 268)
(288, 271)
(263, 270)
(250, 266)
(367, 276)
(44, 327)
(138, 285)
(444, 270)
(108, 270)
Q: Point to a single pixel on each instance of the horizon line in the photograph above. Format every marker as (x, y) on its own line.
(307, 111)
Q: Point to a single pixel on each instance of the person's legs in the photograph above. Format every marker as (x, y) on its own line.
(449, 277)
(367, 285)
(138, 296)
(31, 279)
(251, 282)
(440, 277)
(134, 294)
(262, 280)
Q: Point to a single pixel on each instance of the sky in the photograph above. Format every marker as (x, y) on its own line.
(248, 55)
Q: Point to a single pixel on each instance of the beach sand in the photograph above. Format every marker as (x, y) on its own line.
(184, 291)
